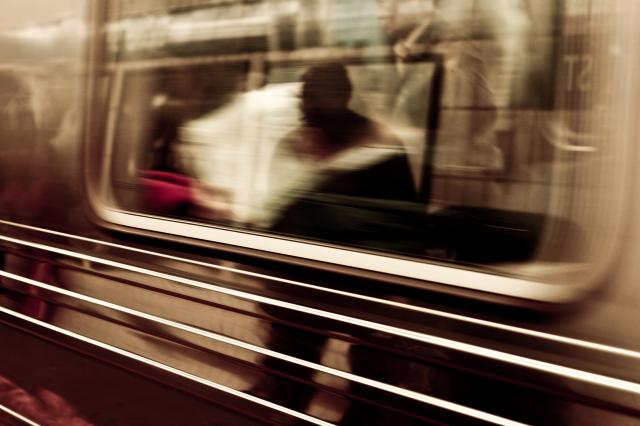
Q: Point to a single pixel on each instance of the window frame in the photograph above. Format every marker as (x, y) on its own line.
(465, 277)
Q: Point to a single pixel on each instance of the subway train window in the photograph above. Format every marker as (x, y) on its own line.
(410, 137)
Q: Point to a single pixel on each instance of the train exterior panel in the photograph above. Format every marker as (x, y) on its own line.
(319, 212)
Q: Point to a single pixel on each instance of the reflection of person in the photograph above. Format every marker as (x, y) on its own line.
(347, 164)
(29, 178)
(22, 190)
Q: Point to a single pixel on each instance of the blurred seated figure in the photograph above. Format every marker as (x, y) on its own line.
(176, 174)
(165, 187)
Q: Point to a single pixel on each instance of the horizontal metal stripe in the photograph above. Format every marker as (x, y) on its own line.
(441, 403)
(167, 368)
(238, 343)
(461, 278)
(496, 355)
(343, 256)
(18, 416)
(462, 318)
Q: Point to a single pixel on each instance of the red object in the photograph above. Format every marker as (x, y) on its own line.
(165, 192)
(33, 305)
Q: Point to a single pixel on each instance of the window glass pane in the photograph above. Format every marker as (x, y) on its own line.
(458, 131)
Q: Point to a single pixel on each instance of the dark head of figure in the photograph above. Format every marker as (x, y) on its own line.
(326, 90)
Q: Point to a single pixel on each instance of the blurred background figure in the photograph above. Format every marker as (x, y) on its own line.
(340, 165)
(30, 145)
(480, 44)
(19, 189)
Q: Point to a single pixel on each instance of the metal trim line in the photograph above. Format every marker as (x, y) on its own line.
(248, 346)
(472, 280)
(433, 401)
(18, 416)
(567, 372)
(167, 368)
(513, 329)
